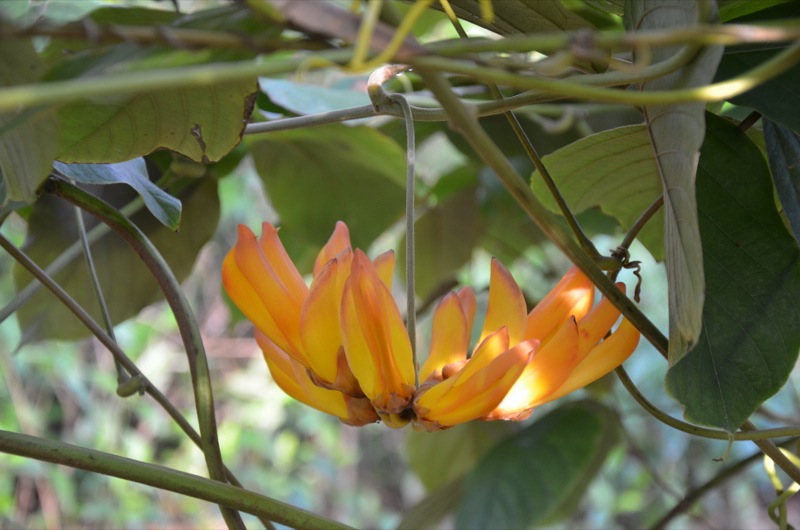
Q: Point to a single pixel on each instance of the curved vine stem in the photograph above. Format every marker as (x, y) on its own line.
(193, 344)
(164, 478)
(138, 382)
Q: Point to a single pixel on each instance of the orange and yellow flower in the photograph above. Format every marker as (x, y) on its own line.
(341, 346)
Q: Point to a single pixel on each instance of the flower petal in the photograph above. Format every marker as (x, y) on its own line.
(375, 340)
(247, 300)
(292, 378)
(449, 338)
(506, 305)
(283, 302)
(597, 324)
(279, 260)
(384, 266)
(604, 358)
(572, 295)
(547, 371)
(472, 394)
(468, 305)
(338, 242)
(320, 329)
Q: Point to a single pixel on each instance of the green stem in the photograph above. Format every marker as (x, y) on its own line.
(193, 344)
(717, 480)
(163, 478)
(142, 382)
(122, 375)
(568, 88)
(467, 124)
(757, 436)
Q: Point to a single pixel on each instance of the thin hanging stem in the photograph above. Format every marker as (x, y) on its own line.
(411, 310)
(380, 99)
(122, 375)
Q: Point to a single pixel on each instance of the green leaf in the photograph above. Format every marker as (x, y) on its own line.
(732, 9)
(126, 283)
(614, 170)
(521, 16)
(783, 149)
(161, 204)
(445, 237)
(529, 478)
(306, 99)
(315, 177)
(202, 124)
(28, 140)
(676, 134)
(441, 457)
(751, 332)
(776, 98)
(433, 508)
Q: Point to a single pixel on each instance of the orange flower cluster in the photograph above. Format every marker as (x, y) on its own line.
(341, 346)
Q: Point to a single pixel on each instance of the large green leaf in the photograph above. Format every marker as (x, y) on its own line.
(441, 457)
(161, 204)
(751, 334)
(676, 133)
(126, 283)
(203, 123)
(315, 177)
(614, 170)
(28, 140)
(783, 149)
(530, 477)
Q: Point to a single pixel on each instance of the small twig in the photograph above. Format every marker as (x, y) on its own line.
(717, 480)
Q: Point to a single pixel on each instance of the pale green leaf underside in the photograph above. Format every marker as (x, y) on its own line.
(614, 170)
(521, 16)
(677, 133)
(161, 204)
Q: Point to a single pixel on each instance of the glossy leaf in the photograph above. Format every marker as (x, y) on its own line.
(614, 170)
(676, 133)
(443, 456)
(528, 478)
(751, 334)
(126, 283)
(28, 139)
(733, 9)
(161, 204)
(336, 173)
(783, 149)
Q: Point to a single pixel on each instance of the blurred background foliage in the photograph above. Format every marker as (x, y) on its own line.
(635, 469)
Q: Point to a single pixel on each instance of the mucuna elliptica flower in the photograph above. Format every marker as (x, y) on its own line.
(341, 346)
